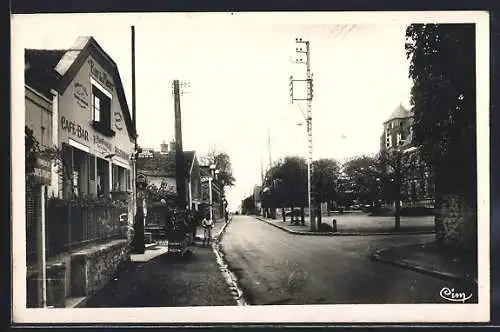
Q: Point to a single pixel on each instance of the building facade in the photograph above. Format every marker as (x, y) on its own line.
(158, 169)
(91, 123)
(417, 185)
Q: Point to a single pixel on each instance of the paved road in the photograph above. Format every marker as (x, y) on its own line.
(275, 267)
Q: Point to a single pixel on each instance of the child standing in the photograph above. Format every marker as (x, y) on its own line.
(207, 225)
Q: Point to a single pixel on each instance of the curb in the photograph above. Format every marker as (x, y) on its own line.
(343, 233)
(376, 256)
(229, 276)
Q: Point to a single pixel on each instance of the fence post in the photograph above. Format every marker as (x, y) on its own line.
(42, 268)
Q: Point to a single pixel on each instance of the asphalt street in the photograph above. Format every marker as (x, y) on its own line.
(275, 267)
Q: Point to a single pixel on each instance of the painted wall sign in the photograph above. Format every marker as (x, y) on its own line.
(100, 75)
(102, 143)
(118, 120)
(74, 129)
(122, 154)
(81, 95)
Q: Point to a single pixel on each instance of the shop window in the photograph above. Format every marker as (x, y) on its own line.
(101, 111)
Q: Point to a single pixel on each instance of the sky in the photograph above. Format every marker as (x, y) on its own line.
(238, 66)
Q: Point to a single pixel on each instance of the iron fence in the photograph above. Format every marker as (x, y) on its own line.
(72, 224)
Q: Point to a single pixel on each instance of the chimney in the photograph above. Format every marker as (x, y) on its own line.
(163, 148)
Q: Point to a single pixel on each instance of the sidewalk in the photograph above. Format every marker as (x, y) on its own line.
(358, 224)
(159, 280)
(429, 258)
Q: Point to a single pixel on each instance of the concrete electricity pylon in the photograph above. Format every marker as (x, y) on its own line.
(308, 117)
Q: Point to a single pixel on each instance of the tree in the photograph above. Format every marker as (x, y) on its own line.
(325, 176)
(392, 175)
(443, 97)
(285, 184)
(361, 174)
(222, 162)
(31, 149)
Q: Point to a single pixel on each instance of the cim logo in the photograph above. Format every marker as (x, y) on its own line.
(452, 296)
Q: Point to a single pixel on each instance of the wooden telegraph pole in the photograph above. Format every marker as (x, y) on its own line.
(180, 238)
(180, 179)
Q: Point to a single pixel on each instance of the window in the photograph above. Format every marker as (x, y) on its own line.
(399, 139)
(101, 110)
(388, 139)
(96, 108)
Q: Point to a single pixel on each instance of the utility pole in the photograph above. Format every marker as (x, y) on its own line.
(180, 179)
(138, 211)
(309, 81)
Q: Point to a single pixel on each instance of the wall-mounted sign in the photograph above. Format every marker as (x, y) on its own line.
(145, 154)
(122, 154)
(118, 120)
(205, 178)
(42, 170)
(100, 75)
(102, 144)
(81, 95)
(74, 129)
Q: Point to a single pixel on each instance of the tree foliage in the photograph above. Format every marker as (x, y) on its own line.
(166, 192)
(31, 149)
(285, 183)
(222, 162)
(443, 97)
(360, 176)
(325, 177)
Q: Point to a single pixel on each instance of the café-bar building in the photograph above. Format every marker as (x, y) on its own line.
(91, 122)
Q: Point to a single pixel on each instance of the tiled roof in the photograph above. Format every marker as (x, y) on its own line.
(164, 164)
(55, 69)
(39, 71)
(399, 113)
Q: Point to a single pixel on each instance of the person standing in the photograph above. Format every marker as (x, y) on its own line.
(207, 225)
(226, 216)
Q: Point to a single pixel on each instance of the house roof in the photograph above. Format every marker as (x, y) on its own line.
(55, 69)
(39, 71)
(399, 113)
(164, 164)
